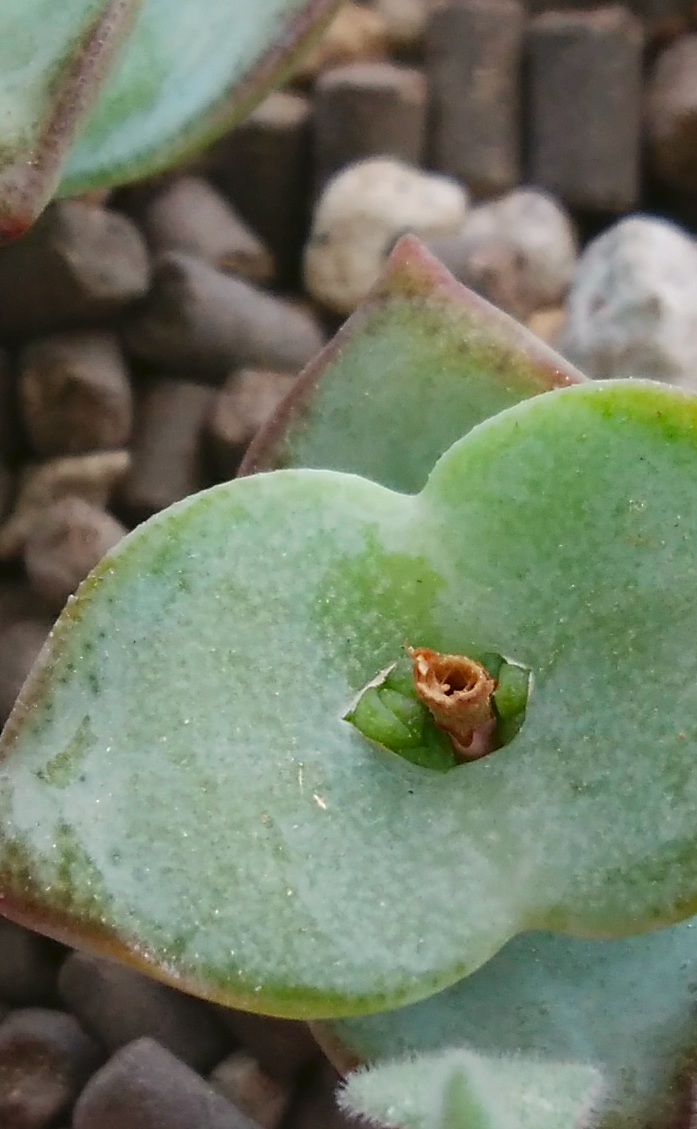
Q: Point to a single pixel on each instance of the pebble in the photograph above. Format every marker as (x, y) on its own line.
(79, 265)
(189, 214)
(117, 1005)
(671, 114)
(144, 1086)
(197, 319)
(282, 1047)
(245, 402)
(359, 216)
(365, 110)
(64, 544)
(45, 1060)
(632, 308)
(20, 644)
(75, 394)
(166, 453)
(405, 23)
(92, 477)
(356, 33)
(30, 963)
(264, 167)
(242, 1081)
(474, 51)
(584, 80)
(519, 251)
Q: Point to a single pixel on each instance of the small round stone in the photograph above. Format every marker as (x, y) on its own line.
(360, 214)
(632, 309)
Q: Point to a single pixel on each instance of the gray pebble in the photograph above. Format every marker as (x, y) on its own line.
(29, 963)
(45, 1060)
(118, 1004)
(145, 1087)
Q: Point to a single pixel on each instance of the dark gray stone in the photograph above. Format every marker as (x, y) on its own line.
(45, 1060)
(145, 1087)
(79, 265)
(368, 110)
(198, 320)
(473, 60)
(29, 963)
(282, 1047)
(584, 80)
(119, 1005)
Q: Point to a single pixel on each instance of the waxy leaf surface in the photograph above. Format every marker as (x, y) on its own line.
(178, 784)
(625, 1007)
(127, 87)
(416, 367)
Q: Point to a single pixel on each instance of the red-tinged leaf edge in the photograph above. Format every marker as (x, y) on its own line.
(411, 274)
(27, 184)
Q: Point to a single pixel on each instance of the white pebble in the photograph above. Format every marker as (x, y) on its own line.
(358, 217)
(632, 309)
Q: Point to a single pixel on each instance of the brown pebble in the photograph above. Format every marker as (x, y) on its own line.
(79, 265)
(282, 1047)
(64, 544)
(357, 33)
(20, 644)
(366, 110)
(167, 460)
(29, 963)
(316, 1103)
(45, 1060)
(242, 1081)
(584, 106)
(473, 60)
(145, 1087)
(264, 166)
(75, 394)
(12, 439)
(117, 1005)
(491, 267)
(547, 324)
(242, 405)
(197, 319)
(92, 477)
(671, 114)
(189, 215)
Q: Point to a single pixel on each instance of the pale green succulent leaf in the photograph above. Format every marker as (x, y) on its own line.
(123, 88)
(178, 781)
(420, 363)
(624, 1007)
(460, 1089)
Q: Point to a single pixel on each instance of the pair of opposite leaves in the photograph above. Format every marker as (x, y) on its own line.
(178, 784)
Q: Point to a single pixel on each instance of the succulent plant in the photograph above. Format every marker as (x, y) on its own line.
(235, 764)
(94, 93)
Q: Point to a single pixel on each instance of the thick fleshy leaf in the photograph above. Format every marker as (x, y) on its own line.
(459, 1089)
(177, 74)
(178, 781)
(416, 367)
(625, 1007)
(53, 57)
(187, 73)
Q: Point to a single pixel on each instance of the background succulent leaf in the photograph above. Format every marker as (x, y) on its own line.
(53, 57)
(460, 1089)
(417, 366)
(228, 829)
(168, 74)
(185, 75)
(624, 1007)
